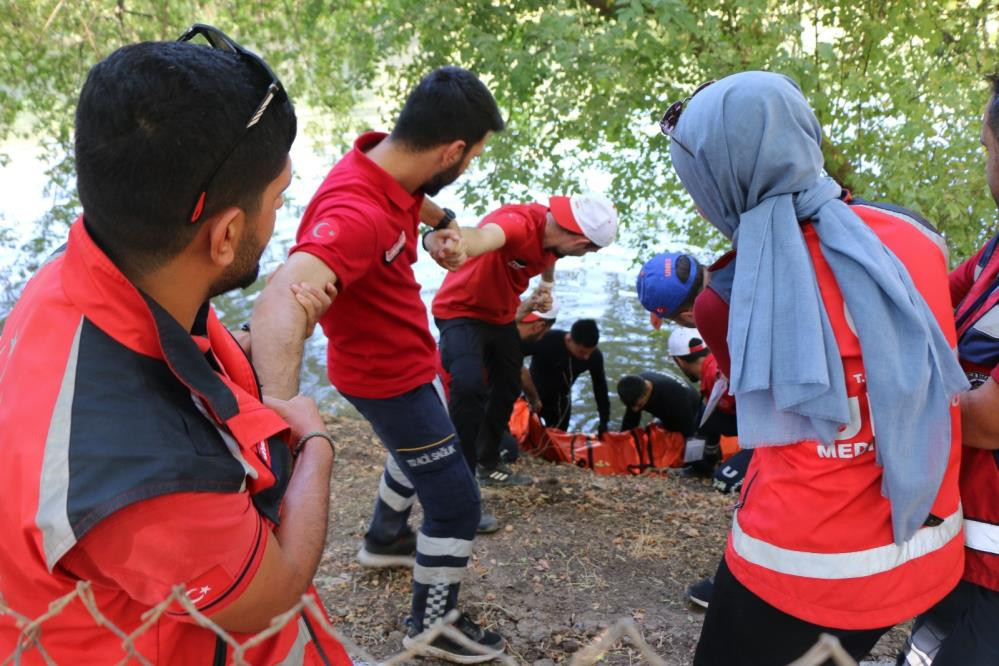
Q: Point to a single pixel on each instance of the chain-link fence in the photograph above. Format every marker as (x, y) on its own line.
(625, 629)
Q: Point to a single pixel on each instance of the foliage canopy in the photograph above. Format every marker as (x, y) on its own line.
(897, 86)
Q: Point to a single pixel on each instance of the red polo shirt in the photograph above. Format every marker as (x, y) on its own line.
(488, 287)
(364, 225)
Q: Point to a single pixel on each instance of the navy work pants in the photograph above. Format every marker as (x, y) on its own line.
(425, 460)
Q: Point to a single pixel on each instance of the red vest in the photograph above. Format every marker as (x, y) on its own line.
(978, 345)
(812, 533)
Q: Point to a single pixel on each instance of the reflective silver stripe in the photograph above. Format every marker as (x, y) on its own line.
(392, 467)
(439, 387)
(916, 657)
(392, 498)
(435, 575)
(52, 517)
(230, 443)
(988, 323)
(296, 655)
(835, 566)
(450, 546)
(937, 239)
(981, 536)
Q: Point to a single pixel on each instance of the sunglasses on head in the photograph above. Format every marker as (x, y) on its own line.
(275, 92)
(667, 124)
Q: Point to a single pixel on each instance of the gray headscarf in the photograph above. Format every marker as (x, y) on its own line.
(755, 168)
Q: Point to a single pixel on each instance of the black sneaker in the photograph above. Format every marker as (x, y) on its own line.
(697, 470)
(700, 593)
(501, 475)
(444, 648)
(399, 553)
(488, 524)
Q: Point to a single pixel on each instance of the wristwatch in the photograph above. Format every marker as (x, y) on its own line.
(446, 219)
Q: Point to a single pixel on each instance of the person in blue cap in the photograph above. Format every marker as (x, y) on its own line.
(667, 285)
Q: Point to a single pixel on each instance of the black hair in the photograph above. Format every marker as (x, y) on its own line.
(630, 389)
(992, 111)
(153, 122)
(448, 104)
(682, 267)
(585, 332)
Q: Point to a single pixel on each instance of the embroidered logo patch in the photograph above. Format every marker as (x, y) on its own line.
(396, 248)
(323, 230)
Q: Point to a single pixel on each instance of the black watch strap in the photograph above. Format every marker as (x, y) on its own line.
(446, 220)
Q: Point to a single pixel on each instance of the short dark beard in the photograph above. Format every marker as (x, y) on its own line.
(242, 272)
(442, 179)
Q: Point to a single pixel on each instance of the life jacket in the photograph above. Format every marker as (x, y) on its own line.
(107, 401)
(812, 533)
(977, 318)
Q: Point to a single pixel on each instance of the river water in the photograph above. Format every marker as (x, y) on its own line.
(600, 286)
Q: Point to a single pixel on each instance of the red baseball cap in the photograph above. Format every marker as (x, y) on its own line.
(589, 215)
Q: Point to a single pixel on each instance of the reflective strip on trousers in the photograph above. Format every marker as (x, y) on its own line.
(981, 536)
(835, 566)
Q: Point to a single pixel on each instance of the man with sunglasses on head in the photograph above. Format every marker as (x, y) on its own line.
(139, 453)
(839, 331)
(476, 306)
(361, 232)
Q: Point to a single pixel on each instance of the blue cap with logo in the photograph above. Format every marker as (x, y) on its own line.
(659, 289)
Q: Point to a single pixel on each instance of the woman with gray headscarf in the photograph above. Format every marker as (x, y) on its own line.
(835, 315)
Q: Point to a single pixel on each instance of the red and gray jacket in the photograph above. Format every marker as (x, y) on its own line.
(975, 292)
(106, 401)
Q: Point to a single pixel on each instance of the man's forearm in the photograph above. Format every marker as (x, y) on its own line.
(277, 335)
(980, 416)
(523, 309)
(530, 390)
(479, 240)
(305, 510)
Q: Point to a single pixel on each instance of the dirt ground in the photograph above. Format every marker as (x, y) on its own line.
(578, 552)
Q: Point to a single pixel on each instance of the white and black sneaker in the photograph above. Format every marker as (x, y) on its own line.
(490, 643)
(399, 553)
(501, 475)
(700, 593)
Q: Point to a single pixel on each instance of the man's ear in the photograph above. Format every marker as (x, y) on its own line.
(225, 230)
(452, 154)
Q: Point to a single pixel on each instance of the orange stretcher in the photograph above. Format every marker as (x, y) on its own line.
(650, 449)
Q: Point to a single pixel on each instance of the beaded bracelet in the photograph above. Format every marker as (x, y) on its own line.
(309, 435)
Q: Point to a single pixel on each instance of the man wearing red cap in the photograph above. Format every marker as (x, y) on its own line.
(476, 307)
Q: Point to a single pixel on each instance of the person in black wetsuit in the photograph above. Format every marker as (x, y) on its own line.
(557, 359)
(675, 403)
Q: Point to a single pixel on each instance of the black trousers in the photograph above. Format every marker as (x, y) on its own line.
(973, 640)
(556, 409)
(484, 361)
(740, 629)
